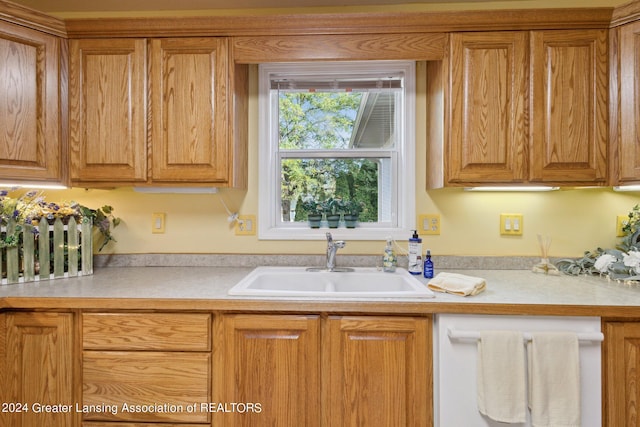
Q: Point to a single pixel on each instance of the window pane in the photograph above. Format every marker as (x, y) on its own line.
(352, 182)
(310, 120)
(333, 120)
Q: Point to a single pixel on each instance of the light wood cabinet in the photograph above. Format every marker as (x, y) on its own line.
(488, 107)
(264, 369)
(626, 108)
(379, 372)
(189, 108)
(108, 111)
(569, 107)
(272, 361)
(520, 108)
(157, 111)
(31, 144)
(151, 367)
(621, 393)
(39, 370)
(336, 371)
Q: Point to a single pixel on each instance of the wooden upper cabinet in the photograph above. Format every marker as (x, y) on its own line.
(627, 151)
(108, 111)
(171, 120)
(520, 108)
(569, 113)
(189, 108)
(488, 107)
(31, 147)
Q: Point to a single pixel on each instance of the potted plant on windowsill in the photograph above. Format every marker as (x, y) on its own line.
(314, 212)
(333, 209)
(352, 213)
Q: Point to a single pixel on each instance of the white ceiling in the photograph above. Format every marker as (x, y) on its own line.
(57, 6)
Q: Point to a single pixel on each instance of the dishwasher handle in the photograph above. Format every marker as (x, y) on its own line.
(458, 334)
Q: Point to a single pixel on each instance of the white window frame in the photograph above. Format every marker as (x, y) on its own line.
(270, 227)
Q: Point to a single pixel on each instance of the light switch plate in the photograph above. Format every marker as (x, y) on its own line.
(158, 220)
(246, 225)
(429, 224)
(511, 224)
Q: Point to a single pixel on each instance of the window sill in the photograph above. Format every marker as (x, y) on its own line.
(341, 233)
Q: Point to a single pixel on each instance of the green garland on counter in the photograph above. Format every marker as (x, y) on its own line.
(622, 263)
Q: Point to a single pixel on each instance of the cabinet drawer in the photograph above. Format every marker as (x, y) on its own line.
(169, 382)
(146, 331)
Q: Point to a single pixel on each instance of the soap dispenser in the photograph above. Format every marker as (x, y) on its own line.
(415, 253)
(389, 259)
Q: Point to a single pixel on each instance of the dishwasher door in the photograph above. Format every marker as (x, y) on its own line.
(454, 379)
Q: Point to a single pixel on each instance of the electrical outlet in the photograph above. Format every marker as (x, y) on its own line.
(511, 224)
(429, 224)
(158, 220)
(621, 221)
(245, 225)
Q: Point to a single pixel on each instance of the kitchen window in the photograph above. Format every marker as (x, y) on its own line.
(337, 131)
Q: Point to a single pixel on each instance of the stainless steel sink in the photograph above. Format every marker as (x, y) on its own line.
(301, 282)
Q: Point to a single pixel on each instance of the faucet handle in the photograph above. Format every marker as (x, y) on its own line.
(329, 237)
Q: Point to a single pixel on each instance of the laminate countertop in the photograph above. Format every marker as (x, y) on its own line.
(205, 288)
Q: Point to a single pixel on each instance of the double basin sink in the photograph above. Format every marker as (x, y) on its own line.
(287, 282)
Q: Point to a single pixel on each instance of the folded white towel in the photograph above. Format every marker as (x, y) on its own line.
(554, 379)
(457, 284)
(501, 376)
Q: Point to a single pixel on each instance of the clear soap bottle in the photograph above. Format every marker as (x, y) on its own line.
(389, 259)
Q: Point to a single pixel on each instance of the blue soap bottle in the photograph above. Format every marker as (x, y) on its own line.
(428, 266)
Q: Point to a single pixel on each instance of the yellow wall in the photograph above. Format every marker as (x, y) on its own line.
(576, 219)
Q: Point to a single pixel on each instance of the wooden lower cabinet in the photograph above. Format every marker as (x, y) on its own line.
(146, 368)
(145, 386)
(38, 368)
(271, 362)
(359, 371)
(378, 372)
(231, 369)
(621, 362)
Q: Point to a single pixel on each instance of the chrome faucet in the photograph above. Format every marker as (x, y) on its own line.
(332, 248)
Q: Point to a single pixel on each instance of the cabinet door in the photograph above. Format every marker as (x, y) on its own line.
(270, 360)
(569, 115)
(489, 93)
(107, 111)
(629, 144)
(30, 141)
(379, 372)
(39, 356)
(622, 359)
(189, 84)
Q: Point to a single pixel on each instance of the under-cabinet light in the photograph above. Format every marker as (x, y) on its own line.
(626, 188)
(34, 186)
(176, 190)
(512, 188)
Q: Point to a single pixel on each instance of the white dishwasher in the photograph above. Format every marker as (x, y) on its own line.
(455, 403)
